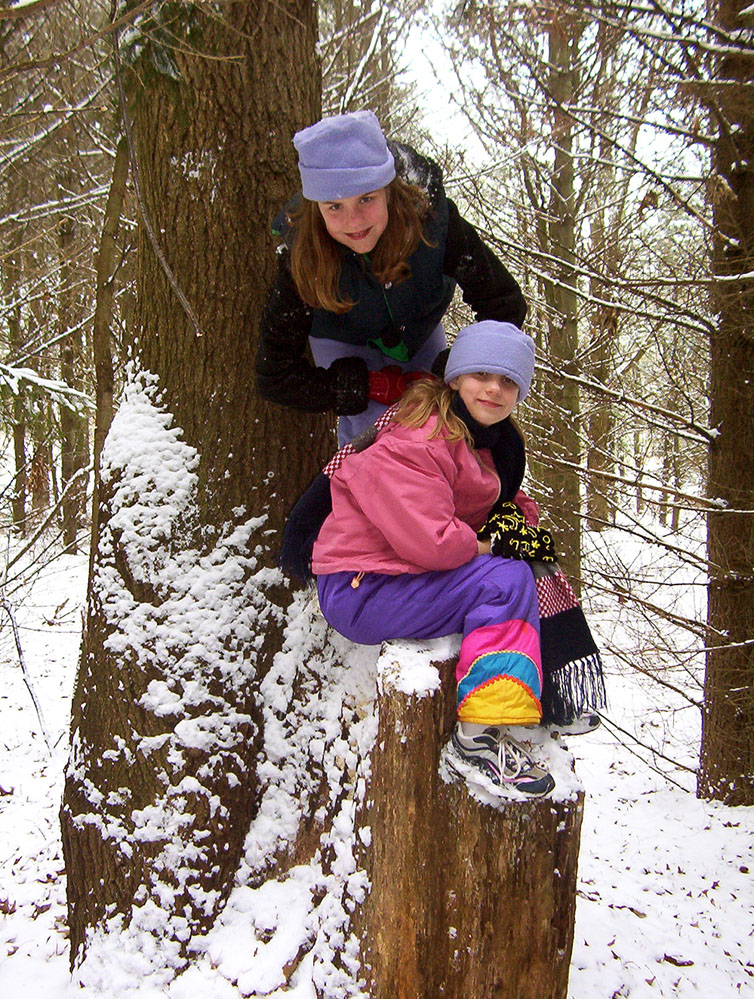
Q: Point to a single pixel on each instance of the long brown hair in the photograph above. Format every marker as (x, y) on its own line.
(430, 397)
(315, 260)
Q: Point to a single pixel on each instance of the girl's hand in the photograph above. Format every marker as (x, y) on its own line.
(511, 537)
(484, 547)
(388, 384)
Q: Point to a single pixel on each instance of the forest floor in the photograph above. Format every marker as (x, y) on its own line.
(666, 881)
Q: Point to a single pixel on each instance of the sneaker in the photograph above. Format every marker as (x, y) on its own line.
(581, 724)
(500, 760)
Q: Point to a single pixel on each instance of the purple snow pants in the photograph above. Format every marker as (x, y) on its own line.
(491, 601)
(326, 351)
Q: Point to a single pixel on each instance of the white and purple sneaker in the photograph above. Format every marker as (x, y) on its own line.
(499, 760)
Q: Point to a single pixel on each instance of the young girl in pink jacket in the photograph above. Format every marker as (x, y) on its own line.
(410, 549)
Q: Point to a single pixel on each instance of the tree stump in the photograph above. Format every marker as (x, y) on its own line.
(468, 900)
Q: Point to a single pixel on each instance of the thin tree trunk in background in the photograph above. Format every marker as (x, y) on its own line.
(74, 429)
(562, 414)
(610, 198)
(727, 754)
(12, 288)
(42, 429)
(103, 359)
(612, 195)
(39, 478)
(600, 510)
(21, 477)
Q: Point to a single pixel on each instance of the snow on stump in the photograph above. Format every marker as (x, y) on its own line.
(469, 897)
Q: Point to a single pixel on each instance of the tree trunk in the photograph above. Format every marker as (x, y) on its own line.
(727, 755)
(608, 239)
(39, 478)
(12, 286)
(74, 428)
(600, 419)
(467, 899)
(103, 358)
(562, 415)
(600, 511)
(184, 611)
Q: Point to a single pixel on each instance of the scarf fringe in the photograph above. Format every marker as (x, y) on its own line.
(572, 689)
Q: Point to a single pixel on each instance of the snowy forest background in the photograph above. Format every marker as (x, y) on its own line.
(605, 150)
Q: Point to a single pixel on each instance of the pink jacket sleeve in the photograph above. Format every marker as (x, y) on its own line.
(408, 496)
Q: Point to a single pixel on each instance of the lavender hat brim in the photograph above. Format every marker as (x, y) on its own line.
(500, 348)
(343, 182)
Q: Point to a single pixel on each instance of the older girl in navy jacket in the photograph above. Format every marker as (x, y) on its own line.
(372, 254)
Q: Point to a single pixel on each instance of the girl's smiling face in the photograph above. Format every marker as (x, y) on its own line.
(488, 397)
(356, 222)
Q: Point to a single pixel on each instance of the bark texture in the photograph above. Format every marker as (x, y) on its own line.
(467, 900)
(727, 757)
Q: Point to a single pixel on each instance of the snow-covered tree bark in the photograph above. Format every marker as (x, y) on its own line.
(727, 758)
(185, 610)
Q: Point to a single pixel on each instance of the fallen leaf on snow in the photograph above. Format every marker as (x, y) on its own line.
(636, 912)
(679, 962)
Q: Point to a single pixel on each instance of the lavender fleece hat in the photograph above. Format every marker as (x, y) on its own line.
(342, 156)
(500, 348)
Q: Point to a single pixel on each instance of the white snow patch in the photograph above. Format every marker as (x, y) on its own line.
(408, 666)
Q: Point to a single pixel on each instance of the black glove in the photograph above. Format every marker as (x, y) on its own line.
(511, 537)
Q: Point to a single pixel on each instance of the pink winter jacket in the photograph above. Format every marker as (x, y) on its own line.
(406, 504)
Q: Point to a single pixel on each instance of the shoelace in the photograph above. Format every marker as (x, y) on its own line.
(510, 749)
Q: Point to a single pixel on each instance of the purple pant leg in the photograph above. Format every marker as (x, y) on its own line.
(326, 351)
(491, 601)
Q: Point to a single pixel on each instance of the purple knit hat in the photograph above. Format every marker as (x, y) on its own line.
(500, 348)
(342, 156)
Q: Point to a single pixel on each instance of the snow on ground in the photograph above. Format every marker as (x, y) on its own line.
(33, 943)
(665, 901)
